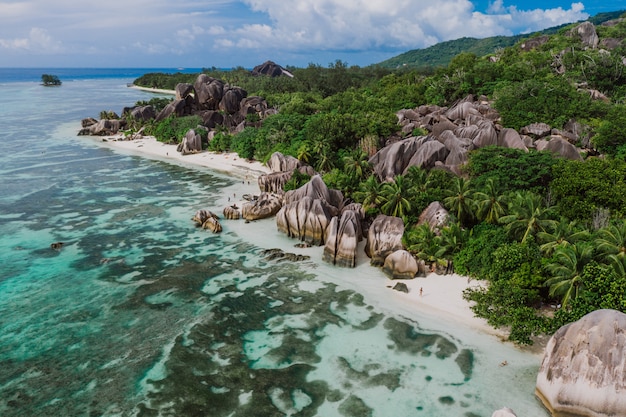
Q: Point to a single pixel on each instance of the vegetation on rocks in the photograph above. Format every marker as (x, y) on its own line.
(547, 233)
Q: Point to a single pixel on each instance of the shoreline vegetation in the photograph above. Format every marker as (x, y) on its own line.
(517, 148)
(441, 296)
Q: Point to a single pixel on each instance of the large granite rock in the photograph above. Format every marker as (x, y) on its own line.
(588, 35)
(176, 108)
(280, 163)
(400, 265)
(560, 147)
(344, 234)
(267, 205)
(143, 113)
(105, 127)
(510, 138)
(274, 182)
(317, 190)
(184, 90)
(209, 92)
(306, 219)
(272, 69)
(435, 216)
(583, 372)
(392, 160)
(232, 212)
(231, 100)
(427, 155)
(207, 220)
(486, 135)
(191, 143)
(384, 237)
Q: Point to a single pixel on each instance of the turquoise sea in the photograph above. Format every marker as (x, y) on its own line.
(142, 314)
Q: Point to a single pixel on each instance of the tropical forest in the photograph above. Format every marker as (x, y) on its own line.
(544, 230)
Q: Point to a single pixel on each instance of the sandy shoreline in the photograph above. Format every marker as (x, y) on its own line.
(152, 90)
(441, 295)
(228, 163)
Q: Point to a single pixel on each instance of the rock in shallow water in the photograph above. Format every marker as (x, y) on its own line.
(583, 371)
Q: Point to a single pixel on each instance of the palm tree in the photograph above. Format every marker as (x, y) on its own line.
(304, 153)
(612, 240)
(528, 216)
(396, 197)
(459, 199)
(451, 241)
(356, 164)
(421, 241)
(322, 151)
(418, 178)
(490, 204)
(618, 263)
(565, 233)
(567, 270)
(370, 193)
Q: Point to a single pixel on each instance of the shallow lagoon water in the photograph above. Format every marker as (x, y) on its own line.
(142, 314)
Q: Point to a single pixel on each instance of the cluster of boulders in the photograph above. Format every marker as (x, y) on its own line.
(452, 132)
(207, 220)
(320, 216)
(218, 105)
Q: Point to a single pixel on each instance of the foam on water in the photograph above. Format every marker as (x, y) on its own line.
(140, 313)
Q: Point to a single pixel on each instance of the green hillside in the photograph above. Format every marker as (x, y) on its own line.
(440, 54)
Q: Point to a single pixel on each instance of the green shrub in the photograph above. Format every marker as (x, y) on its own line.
(173, 129)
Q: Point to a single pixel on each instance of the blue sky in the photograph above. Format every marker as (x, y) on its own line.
(226, 33)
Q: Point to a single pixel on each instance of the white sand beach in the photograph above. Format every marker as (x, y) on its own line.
(153, 90)
(224, 162)
(440, 295)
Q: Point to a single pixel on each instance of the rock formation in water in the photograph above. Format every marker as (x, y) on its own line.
(232, 213)
(400, 265)
(207, 220)
(267, 205)
(583, 372)
(384, 237)
(343, 236)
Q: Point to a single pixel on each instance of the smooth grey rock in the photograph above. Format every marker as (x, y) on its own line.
(401, 286)
(343, 236)
(306, 219)
(510, 138)
(267, 205)
(583, 371)
(400, 265)
(191, 143)
(435, 216)
(384, 237)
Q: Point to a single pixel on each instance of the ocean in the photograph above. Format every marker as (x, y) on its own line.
(140, 313)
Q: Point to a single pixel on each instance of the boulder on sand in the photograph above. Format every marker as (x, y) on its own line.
(384, 237)
(583, 372)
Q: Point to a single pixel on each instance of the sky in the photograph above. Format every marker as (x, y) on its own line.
(226, 33)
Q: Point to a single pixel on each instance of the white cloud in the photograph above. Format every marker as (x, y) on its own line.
(38, 40)
(248, 29)
(391, 24)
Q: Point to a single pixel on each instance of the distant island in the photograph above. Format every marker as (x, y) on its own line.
(49, 80)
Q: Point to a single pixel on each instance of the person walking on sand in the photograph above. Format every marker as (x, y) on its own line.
(421, 291)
